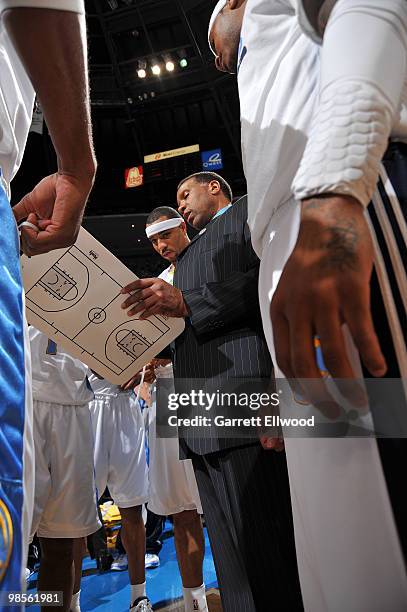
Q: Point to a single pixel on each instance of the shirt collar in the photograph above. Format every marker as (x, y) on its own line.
(221, 211)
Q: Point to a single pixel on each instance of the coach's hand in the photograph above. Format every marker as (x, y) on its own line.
(271, 442)
(56, 207)
(325, 284)
(154, 296)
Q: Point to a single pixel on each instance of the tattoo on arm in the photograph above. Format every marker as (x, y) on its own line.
(339, 239)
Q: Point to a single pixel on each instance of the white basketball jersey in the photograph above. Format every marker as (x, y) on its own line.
(57, 377)
(100, 386)
(168, 274)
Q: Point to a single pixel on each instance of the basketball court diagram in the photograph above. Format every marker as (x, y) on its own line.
(73, 295)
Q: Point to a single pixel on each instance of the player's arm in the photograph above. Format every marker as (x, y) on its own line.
(325, 282)
(50, 39)
(359, 98)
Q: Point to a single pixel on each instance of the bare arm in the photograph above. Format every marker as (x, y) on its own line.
(55, 58)
(325, 282)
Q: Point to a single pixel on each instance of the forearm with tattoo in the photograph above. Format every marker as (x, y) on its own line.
(335, 235)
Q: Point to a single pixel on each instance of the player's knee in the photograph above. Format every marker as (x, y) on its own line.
(132, 515)
(185, 518)
(57, 548)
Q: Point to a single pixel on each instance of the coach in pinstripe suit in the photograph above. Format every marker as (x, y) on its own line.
(243, 487)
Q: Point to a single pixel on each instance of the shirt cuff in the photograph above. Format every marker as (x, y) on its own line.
(74, 6)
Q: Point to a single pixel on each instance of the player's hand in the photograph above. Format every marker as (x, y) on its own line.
(56, 207)
(133, 382)
(160, 363)
(154, 296)
(325, 284)
(271, 443)
(149, 377)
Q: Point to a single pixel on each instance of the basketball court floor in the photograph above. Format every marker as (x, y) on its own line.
(110, 591)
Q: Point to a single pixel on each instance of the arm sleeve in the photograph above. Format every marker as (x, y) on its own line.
(222, 305)
(363, 70)
(74, 6)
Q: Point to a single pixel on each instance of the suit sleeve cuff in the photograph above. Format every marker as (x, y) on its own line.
(202, 317)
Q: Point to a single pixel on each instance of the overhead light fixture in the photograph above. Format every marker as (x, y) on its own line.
(183, 62)
(169, 64)
(155, 68)
(141, 69)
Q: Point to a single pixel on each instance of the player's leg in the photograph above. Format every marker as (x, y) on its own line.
(190, 547)
(174, 492)
(128, 483)
(56, 569)
(79, 551)
(133, 536)
(70, 511)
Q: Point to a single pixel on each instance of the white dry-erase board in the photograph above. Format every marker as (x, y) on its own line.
(73, 296)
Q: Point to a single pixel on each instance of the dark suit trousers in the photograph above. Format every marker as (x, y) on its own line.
(246, 503)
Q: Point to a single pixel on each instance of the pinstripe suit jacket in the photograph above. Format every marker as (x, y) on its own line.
(223, 339)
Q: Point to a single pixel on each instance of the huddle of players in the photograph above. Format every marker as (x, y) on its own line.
(291, 148)
(89, 434)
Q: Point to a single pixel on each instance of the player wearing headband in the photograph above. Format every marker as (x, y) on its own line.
(173, 488)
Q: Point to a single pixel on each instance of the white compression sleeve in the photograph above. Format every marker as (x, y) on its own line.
(363, 70)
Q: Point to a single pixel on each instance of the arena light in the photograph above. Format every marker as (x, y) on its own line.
(183, 62)
(169, 64)
(155, 68)
(141, 69)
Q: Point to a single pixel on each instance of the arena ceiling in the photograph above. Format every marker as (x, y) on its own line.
(133, 117)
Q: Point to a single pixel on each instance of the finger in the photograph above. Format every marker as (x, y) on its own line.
(44, 223)
(149, 313)
(22, 209)
(28, 239)
(142, 305)
(281, 335)
(49, 239)
(136, 297)
(140, 283)
(358, 317)
(306, 371)
(336, 358)
(271, 443)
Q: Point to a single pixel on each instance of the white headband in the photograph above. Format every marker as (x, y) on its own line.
(219, 6)
(161, 226)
